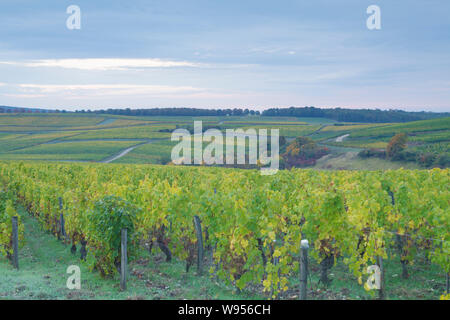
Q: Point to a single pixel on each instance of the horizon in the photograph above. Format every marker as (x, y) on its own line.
(96, 110)
(207, 55)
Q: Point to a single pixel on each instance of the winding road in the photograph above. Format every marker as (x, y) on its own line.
(341, 138)
(121, 154)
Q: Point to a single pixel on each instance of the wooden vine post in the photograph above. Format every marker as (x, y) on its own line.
(61, 220)
(123, 260)
(304, 245)
(198, 230)
(448, 283)
(381, 290)
(15, 242)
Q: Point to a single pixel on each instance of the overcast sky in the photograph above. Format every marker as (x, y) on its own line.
(217, 53)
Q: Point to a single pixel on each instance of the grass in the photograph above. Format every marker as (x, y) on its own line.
(44, 261)
(360, 143)
(30, 129)
(320, 121)
(91, 137)
(286, 129)
(426, 282)
(157, 152)
(51, 157)
(42, 275)
(347, 128)
(431, 137)
(325, 135)
(4, 135)
(29, 140)
(47, 120)
(139, 132)
(439, 147)
(409, 127)
(85, 150)
(351, 161)
(115, 124)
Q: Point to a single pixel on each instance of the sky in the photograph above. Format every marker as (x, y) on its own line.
(225, 54)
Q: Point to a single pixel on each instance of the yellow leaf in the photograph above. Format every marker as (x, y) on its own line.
(272, 235)
(277, 253)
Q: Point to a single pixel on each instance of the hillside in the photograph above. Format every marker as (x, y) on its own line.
(252, 227)
(103, 137)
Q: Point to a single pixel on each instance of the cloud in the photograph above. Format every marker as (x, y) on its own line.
(272, 50)
(265, 50)
(26, 96)
(118, 93)
(103, 64)
(102, 90)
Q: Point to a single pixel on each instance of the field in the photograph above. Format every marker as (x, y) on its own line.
(349, 160)
(252, 226)
(44, 260)
(224, 159)
(85, 150)
(96, 137)
(42, 275)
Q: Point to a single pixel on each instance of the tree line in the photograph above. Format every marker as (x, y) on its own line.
(338, 114)
(354, 115)
(191, 112)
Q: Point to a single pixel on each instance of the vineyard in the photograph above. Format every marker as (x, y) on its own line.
(252, 225)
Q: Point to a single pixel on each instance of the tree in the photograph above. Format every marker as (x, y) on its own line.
(396, 145)
(302, 152)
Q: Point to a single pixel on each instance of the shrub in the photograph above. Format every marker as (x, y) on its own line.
(408, 155)
(369, 153)
(426, 159)
(282, 140)
(109, 216)
(442, 160)
(396, 145)
(7, 211)
(405, 155)
(302, 152)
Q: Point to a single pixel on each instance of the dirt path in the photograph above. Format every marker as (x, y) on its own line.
(106, 121)
(341, 138)
(316, 131)
(121, 154)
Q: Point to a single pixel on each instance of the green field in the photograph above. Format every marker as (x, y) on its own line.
(44, 261)
(86, 150)
(410, 127)
(94, 137)
(44, 258)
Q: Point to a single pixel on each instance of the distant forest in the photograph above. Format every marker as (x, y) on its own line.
(338, 114)
(178, 112)
(354, 115)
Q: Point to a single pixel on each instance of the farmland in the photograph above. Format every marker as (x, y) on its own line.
(94, 137)
(252, 227)
(236, 207)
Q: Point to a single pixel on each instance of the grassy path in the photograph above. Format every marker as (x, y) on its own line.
(43, 262)
(121, 153)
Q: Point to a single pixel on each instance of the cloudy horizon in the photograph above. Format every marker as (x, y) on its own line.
(206, 54)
